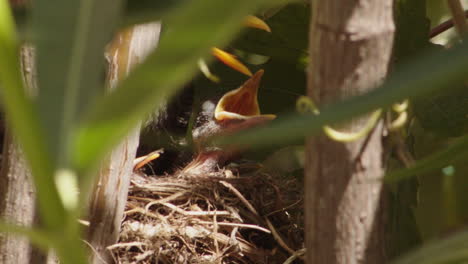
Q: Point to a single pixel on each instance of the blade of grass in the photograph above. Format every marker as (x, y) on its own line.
(426, 74)
(21, 114)
(188, 37)
(447, 250)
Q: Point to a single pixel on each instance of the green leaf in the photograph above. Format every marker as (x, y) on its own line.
(21, 114)
(426, 74)
(453, 248)
(135, 12)
(143, 11)
(457, 150)
(70, 40)
(37, 237)
(188, 37)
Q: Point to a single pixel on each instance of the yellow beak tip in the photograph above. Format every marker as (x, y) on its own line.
(255, 22)
(231, 61)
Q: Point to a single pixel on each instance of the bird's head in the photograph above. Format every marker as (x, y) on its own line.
(236, 110)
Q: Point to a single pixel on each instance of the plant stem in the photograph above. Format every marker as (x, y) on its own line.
(443, 27)
(458, 16)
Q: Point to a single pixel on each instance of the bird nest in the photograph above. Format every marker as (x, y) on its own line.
(218, 218)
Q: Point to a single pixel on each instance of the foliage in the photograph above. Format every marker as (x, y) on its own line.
(73, 123)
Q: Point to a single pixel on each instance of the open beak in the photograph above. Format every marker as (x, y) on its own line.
(242, 103)
(236, 110)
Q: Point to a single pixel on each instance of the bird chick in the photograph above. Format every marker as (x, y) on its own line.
(236, 110)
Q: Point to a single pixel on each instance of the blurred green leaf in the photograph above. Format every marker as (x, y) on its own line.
(69, 43)
(70, 40)
(135, 12)
(457, 150)
(426, 74)
(38, 238)
(188, 37)
(21, 114)
(447, 250)
(143, 11)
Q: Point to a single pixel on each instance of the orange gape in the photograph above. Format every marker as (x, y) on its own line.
(242, 102)
(242, 105)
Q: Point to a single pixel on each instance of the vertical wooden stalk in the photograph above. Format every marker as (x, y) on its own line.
(17, 202)
(109, 196)
(350, 49)
(17, 194)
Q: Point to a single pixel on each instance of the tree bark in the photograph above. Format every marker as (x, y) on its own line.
(17, 200)
(17, 194)
(109, 196)
(350, 50)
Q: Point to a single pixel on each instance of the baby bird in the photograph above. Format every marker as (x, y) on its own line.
(235, 111)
